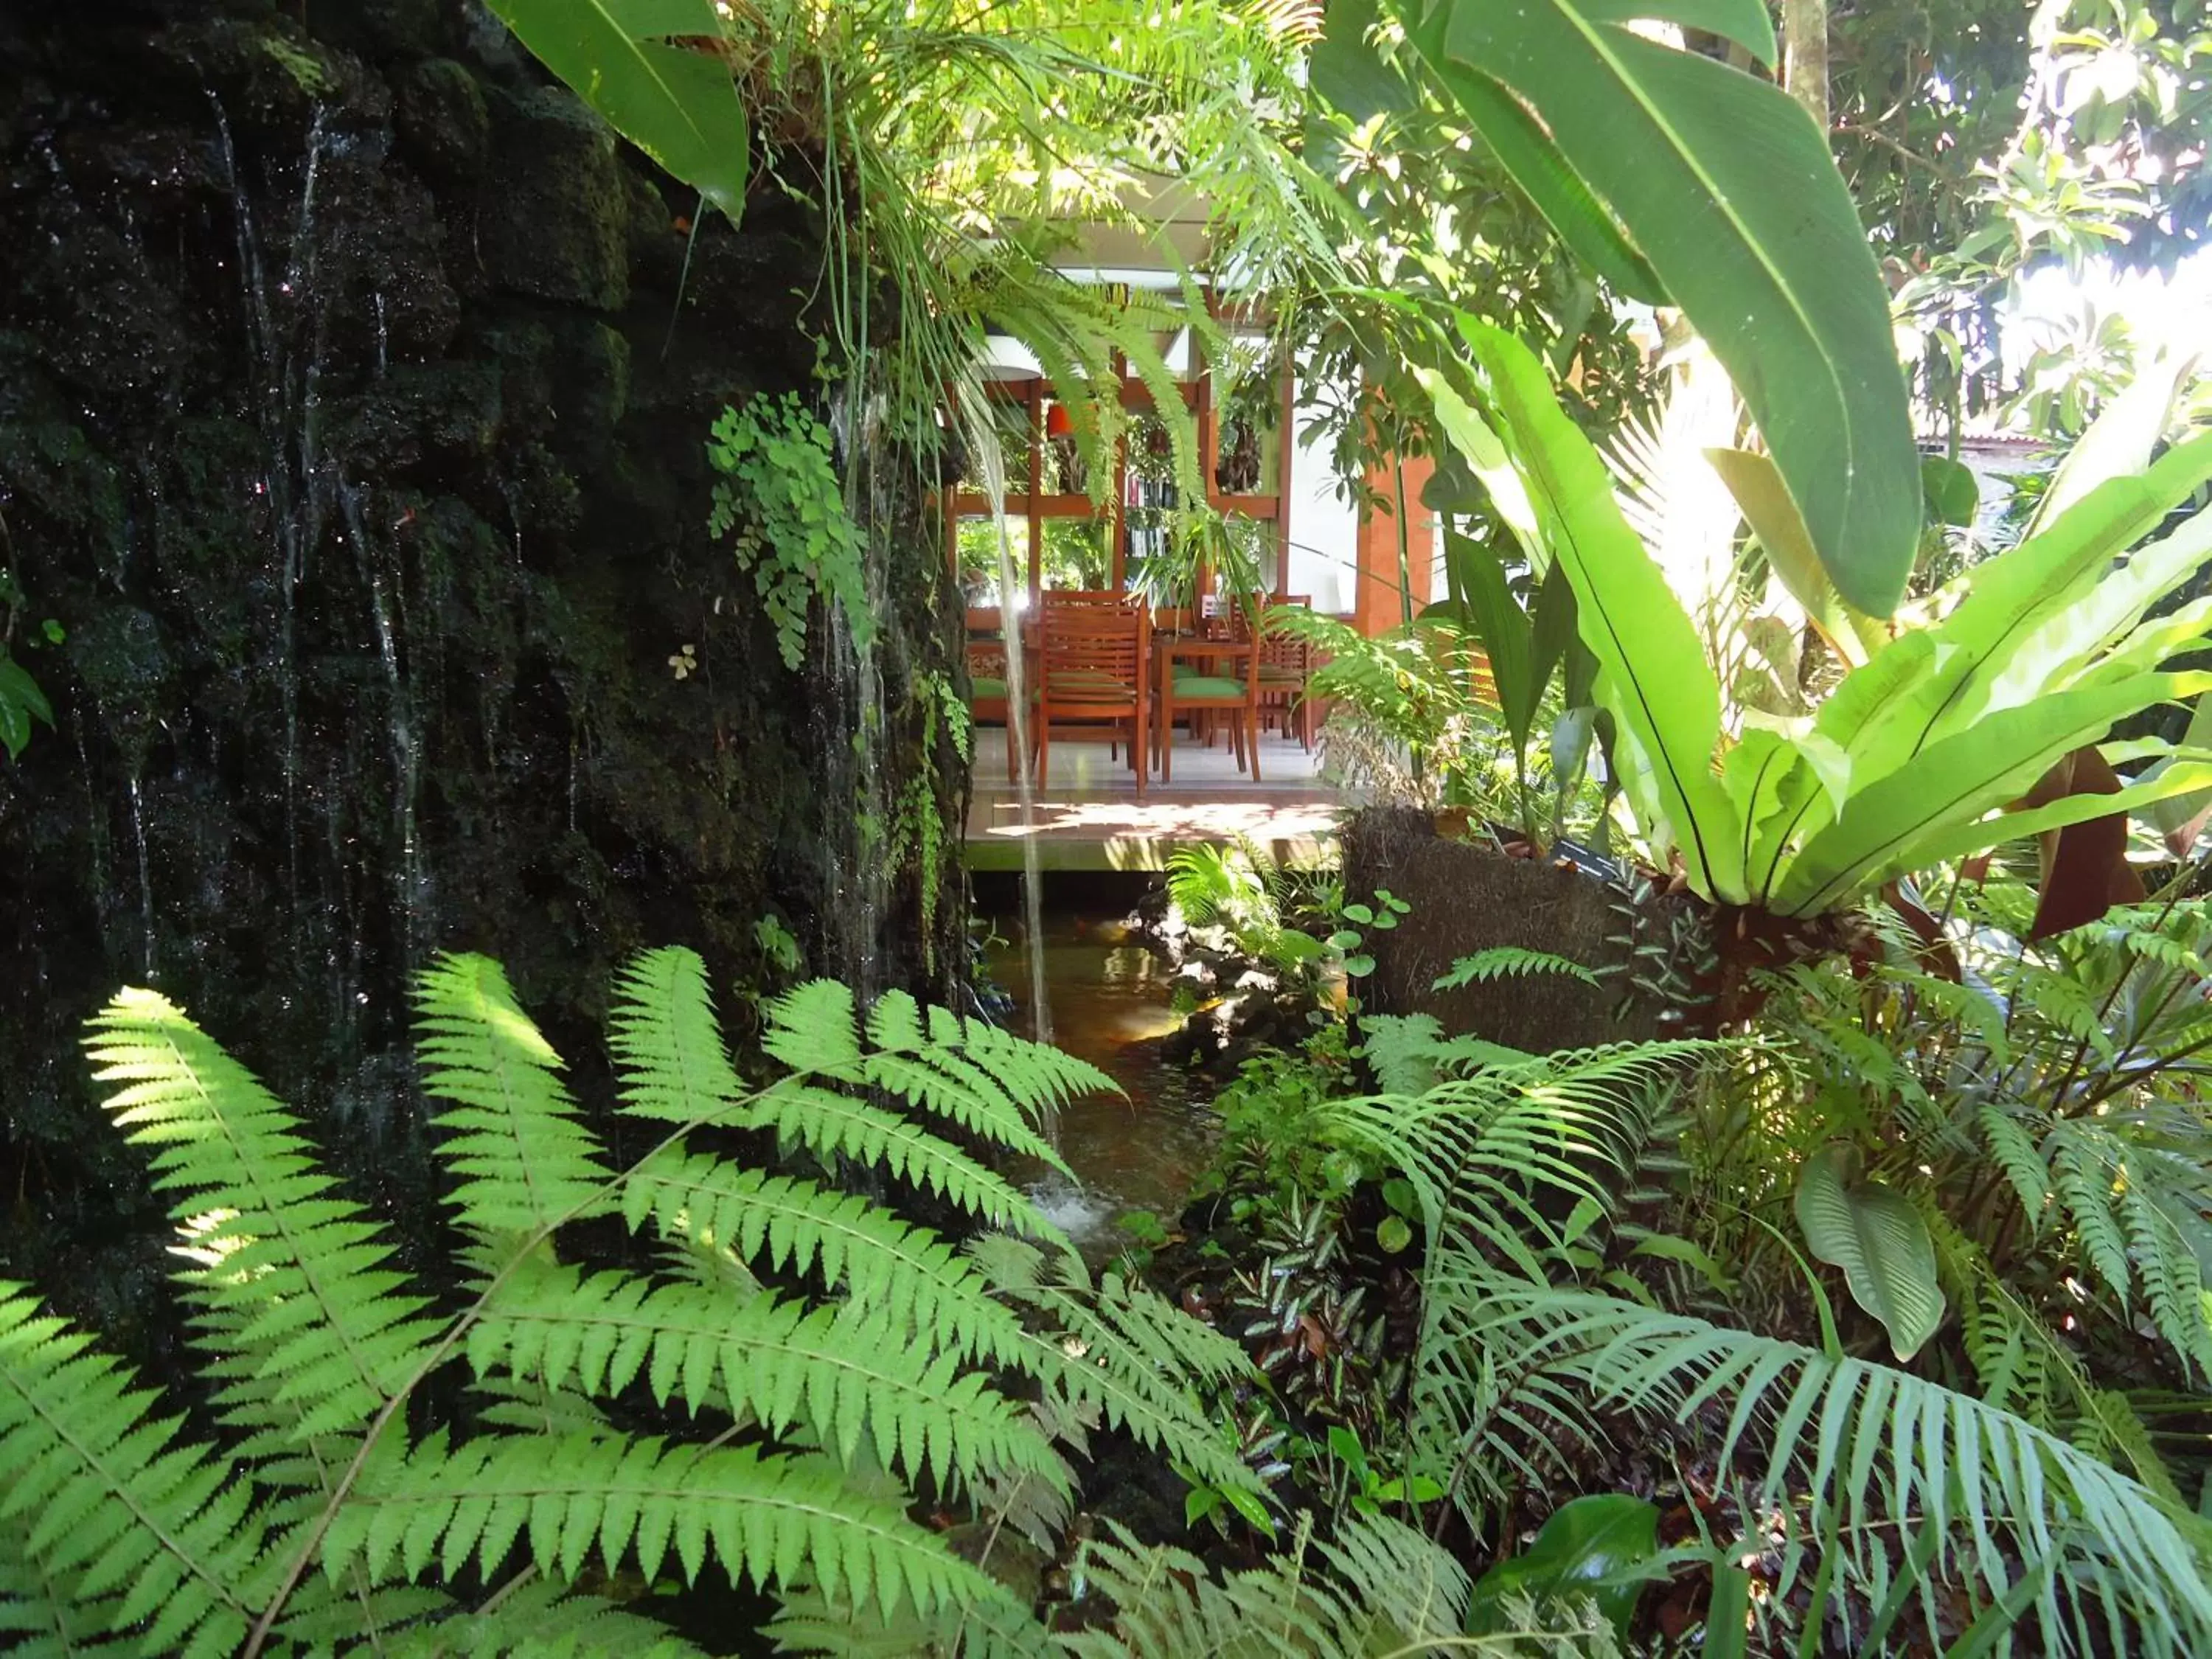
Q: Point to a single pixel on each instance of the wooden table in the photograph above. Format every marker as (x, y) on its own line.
(1167, 649)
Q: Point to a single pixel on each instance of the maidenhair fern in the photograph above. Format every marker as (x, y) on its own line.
(809, 1361)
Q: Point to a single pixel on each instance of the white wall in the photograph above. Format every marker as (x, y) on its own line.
(1324, 532)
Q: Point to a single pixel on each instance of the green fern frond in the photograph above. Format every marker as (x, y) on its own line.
(117, 1510)
(1874, 1446)
(810, 1622)
(527, 1405)
(1115, 1350)
(311, 1333)
(832, 1124)
(968, 1072)
(1381, 1587)
(564, 1500)
(511, 1130)
(1398, 1578)
(1032, 1070)
(2016, 1154)
(815, 1028)
(43, 1615)
(848, 1379)
(879, 1261)
(667, 1043)
(937, 1078)
(537, 1618)
(1509, 961)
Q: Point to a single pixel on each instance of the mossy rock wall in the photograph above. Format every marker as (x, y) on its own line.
(353, 394)
(1465, 897)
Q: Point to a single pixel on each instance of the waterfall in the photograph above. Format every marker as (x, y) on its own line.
(406, 757)
(982, 441)
(861, 865)
(145, 870)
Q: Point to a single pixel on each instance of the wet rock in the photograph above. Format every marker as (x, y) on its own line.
(351, 430)
(427, 421)
(444, 125)
(556, 221)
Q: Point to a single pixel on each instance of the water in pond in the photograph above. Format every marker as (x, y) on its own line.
(1110, 997)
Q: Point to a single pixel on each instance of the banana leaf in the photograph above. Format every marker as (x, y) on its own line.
(1723, 185)
(678, 105)
(1652, 672)
(1895, 819)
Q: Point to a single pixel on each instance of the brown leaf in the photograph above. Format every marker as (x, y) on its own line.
(2085, 865)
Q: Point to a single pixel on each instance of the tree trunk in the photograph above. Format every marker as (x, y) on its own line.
(1805, 55)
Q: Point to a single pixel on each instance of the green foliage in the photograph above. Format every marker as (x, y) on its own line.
(1239, 888)
(1675, 176)
(1524, 1359)
(1378, 1587)
(2040, 1116)
(1411, 717)
(779, 945)
(1602, 1545)
(1351, 939)
(21, 703)
(1509, 961)
(1878, 1240)
(919, 831)
(801, 1349)
(781, 500)
(2036, 653)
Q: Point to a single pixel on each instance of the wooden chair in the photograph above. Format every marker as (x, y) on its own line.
(1286, 666)
(987, 695)
(1094, 663)
(1230, 684)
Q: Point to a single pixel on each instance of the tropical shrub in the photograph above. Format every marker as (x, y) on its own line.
(1923, 751)
(2032, 1116)
(1867, 1488)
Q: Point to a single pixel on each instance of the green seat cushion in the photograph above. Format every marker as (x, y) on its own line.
(985, 689)
(1188, 671)
(1208, 686)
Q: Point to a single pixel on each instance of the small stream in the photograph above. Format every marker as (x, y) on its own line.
(1110, 1001)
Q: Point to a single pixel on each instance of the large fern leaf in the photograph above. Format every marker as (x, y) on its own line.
(641, 1502)
(308, 1330)
(117, 1510)
(1874, 1447)
(511, 1130)
(879, 1261)
(849, 1379)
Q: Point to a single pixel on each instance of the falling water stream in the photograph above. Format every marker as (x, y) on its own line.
(984, 441)
(1139, 1150)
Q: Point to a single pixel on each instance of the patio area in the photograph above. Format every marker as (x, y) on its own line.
(1090, 819)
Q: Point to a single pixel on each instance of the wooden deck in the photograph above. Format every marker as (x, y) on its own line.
(1090, 818)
